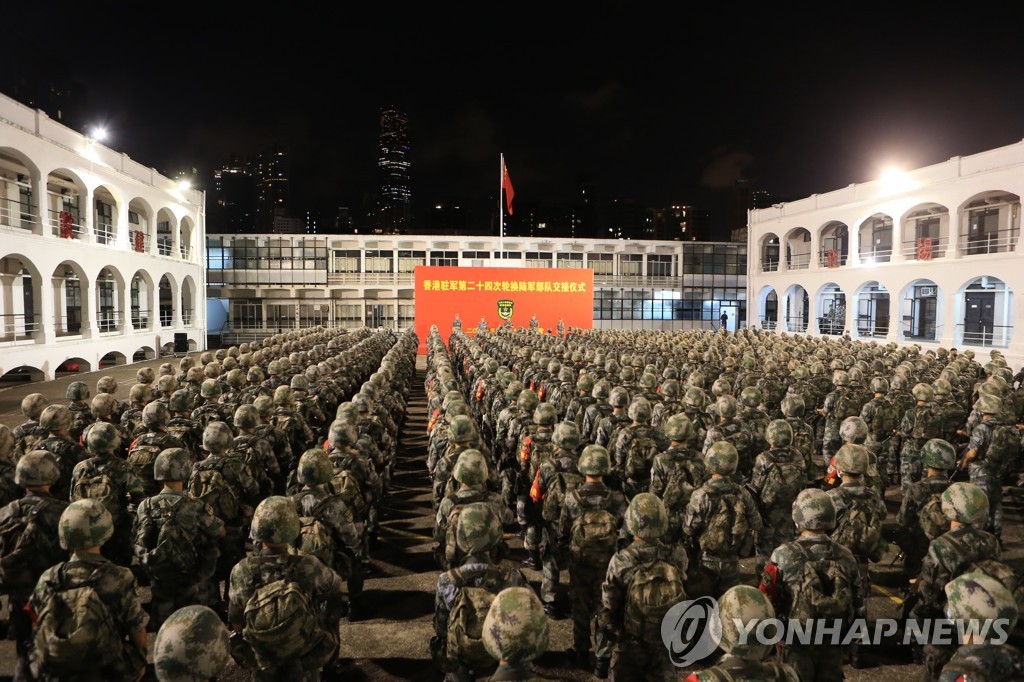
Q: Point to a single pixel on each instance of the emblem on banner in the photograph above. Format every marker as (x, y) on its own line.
(505, 306)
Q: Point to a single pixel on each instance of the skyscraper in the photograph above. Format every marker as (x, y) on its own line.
(234, 193)
(272, 190)
(395, 200)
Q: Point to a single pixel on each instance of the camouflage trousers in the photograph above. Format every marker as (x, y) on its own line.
(815, 662)
(584, 598)
(712, 576)
(778, 528)
(830, 441)
(304, 669)
(633, 659)
(550, 574)
(883, 459)
(910, 468)
(992, 483)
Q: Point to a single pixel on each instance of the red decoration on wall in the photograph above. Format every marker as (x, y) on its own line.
(140, 241)
(67, 225)
(833, 258)
(924, 248)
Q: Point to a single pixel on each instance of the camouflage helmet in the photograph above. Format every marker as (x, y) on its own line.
(235, 378)
(977, 596)
(83, 524)
(813, 510)
(180, 401)
(646, 517)
(942, 387)
(55, 418)
(618, 397)
(479, 529)
(695, 397)
(670, 388)
(726, 406)
(283, 396)
(852, 459)
(314, 467)
(275, 521)
(721, 386)
(594, 461)
(746, 604)
(898, 383)
(793, 406)
(166, 384)
(192, 644)
(800, 373)
(545, 414)
(471, 468)
(527, 400)
(938, 454)
(640, 410)
(602, 389)
(210, 388)
(246, 417)
(879, 385)
(856, 375)
(217, 437)
(648, 381)
(751, 396)
(678, 428)
(77, 390)
(965, 503)
(33, 405)
(779, 433)
(140, 393)
(462, 429)
(627, 373)
(299, 383)
(36, 468)
(145, 375)
(343, 433)
(166, 369)
(721, 458)
(986, 404)
(566, 435)
(255, 375)
(264, 405)
(106, 384)
(103, 404)
(923, 393)
(155, 414)
(103, 438)
(516, 629)
(840, 377)
(186, 363)
(853, 430)
(172, 464)
(585, 384)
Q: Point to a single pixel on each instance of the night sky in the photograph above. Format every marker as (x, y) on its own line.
(656, 107)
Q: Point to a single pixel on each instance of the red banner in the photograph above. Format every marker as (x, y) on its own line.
(140, 241)
(924, 248)
(833, 258)
(510, 296)
(67, 230)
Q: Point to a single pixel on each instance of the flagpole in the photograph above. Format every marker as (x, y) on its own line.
(501, 210)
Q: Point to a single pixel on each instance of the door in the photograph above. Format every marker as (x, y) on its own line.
(979, 317)
(924, 318)
(733, 313)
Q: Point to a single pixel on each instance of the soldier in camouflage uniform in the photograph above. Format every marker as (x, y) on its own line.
(181, 569)
(617, 418)
(991, 452)
(778, 477)
(838, 405)
(56, 420)
(149, 443)
(279, 440)
(84, 527)
(745, 658)
(471, 474)
(139, 395)
(275, 526)
(309, 405)
(783, 582)
(753, 418)
(28, 434)
(81, 415)
(596, 412)
(211, 409)
(938, 460)
(108, 384)
(635, 656)
(102, 406)
(976, 597)
(671, 402)
(676, 473)
(953, 412)
(348, 461)
(290, 420)
(728, 429)
(882, 419)
(634, 446)
(581, 401)
(462, 435)
(9, 490)
(695, 402)
(478, 535)
(181, 426)
(20, 571)
(165, 387)
(106, 477)
(950, 555)
(257, 452)
(920, 423)
(191, 645)
(515, 632)
(587, 566)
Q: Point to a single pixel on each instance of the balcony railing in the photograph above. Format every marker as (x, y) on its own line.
(800, 261)
(1001, 241)
(164, 245)
(16, 214)
(832, 258)
(104, 233)
(924, 248)
(186, 316)
(875, 255)
(769, 264)
(996, 336)
(186, 251)
(796, 324)
(110, 322)
(18, 327)
(140, 319)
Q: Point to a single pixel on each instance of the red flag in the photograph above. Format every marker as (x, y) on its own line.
(506, 184)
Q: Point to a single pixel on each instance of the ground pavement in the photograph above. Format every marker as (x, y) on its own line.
(391, 642)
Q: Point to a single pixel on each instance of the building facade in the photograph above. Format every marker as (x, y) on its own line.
(929, 257)
(100, 257)
(262, 284)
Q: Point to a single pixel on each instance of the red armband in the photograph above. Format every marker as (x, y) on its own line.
(771, 584)
(535, 492)
(524, 452)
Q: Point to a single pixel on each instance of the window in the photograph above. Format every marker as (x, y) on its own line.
(104, 222)
(570, 260)
(346, 261)
(246, 314)
(601, 263)
(379, 261)
(631, 264)
(408, 260)
(444, 258)
(538, 259)
(516, 255)
(476, 255)
(659, 265)
(133, 217)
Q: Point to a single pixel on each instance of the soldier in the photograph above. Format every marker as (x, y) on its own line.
(953, 412)
(110, 647)
(839, 404)
(676, 473)
(279, 441)
(588, 531)
(596, 411)
(671, 402)
(920, 519)
(634, 447)
(9, 490)
(29, 433)
(81, 415)
(462, 435)
(634, 627)
(37, 515)
(289, 639)
(354, 479)
(794, 410)
(291, 421)
(719, 524)
(465, 592)
(309, 405)
(882, 419)
(153, 440)
(256, 451)
(471, 474)
(192, 644)
(695, 402)
(772, 388)
(515, 632)
(102, 406)
(108, 385)
(920, 423)
(139, 396)
(176, 540)
(754, 420)
(991, 452)
(107, 478)
(165, 386)
(181, 425)
(581, 401)
(327, 525)
(56, 420)
(777, 479)
(730, 430)
(619, 417)
(211, 410)
(976, 597)
(744, 657)
(785, 582)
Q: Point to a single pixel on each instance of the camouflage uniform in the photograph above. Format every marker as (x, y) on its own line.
(914, 434)
(29, 433)
(987, 469)
(515, 632)
(676, 473)
(882, 420)
(192, 644)
(636, 476)
(776, 492)
(938, 456)
(56, 419)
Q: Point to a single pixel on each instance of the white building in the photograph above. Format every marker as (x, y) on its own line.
(260, 284)
(100, 257)
(930, 257)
